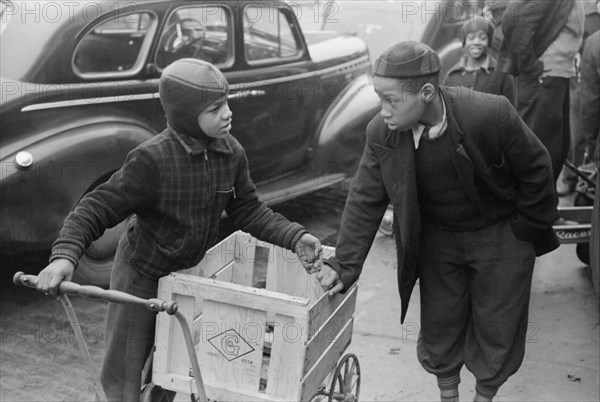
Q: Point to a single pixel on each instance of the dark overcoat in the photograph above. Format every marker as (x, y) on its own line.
(504, 169)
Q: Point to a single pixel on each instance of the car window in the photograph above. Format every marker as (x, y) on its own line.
(117, 45)
(268, 35)
(202, 32)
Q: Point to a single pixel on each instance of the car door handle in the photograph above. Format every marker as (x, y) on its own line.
(253, 93)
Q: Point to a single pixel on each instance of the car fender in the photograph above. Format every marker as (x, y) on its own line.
(66, 165)
(343, 125)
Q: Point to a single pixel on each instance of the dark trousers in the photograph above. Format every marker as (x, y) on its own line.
(578, 141)
(545, 109)
(475, 289)
(129, 332)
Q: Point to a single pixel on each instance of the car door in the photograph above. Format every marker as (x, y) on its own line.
(273, 99)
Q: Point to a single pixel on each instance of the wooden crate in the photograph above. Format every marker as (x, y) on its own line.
(275, 343)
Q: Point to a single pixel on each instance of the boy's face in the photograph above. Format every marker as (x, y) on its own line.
(215, 119)
(401, 106)
(476, 43)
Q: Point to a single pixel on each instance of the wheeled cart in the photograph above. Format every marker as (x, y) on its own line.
(579, 217)
(263, 328)
(252, 326)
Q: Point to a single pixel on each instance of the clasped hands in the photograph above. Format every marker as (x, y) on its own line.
(308, 249)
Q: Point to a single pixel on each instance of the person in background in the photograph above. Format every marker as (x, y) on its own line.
(476, 69)
(493, 12)
(177, 185)
(541, 40)
(590, 121)
(473, 196)
(578, 154)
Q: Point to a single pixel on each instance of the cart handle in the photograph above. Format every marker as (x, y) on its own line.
(94, 292)
(576, 170)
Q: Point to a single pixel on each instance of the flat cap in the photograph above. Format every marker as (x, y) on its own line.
(407, 60)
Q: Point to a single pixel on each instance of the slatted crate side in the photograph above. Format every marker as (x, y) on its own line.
(290, 332)
(320, 311)
(245, 258)
(215, 258)
(287, 357)
(326, 363)
(200, 289)
(230, 349)
(322, 335)
(169, 341)
(187, 385)
(232, 260)
(285, 274)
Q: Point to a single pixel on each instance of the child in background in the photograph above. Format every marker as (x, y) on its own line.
(476, 69)
(177, 185)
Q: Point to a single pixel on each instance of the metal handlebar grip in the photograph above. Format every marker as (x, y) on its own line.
(94, 292)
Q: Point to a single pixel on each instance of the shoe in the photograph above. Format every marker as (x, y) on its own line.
(564, 189)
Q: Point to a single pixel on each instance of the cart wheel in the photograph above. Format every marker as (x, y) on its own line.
(320, 396)
(153, 393)
(583, 200)
(583, 252)
(583, 249)
(346, 380)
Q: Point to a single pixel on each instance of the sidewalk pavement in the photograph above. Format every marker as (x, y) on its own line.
(562, 355)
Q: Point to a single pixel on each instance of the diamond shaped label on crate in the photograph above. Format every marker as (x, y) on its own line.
(231, 344)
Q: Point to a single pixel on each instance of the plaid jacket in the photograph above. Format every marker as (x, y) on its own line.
(177, 187)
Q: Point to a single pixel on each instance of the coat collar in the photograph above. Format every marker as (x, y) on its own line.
(196, 146)
(488, 65)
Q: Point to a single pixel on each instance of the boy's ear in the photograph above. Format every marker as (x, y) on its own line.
(427, 92)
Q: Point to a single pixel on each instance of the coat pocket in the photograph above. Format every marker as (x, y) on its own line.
(222, 197)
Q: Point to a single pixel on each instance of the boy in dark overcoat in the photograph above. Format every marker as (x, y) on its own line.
(473, 197)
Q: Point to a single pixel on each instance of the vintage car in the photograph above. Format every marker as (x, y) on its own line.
(80, 90)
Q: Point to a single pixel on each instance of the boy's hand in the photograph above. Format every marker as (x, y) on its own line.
(330, 280)
(308, 249)
(51, 276)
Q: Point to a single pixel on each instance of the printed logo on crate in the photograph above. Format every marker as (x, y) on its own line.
(231, 344)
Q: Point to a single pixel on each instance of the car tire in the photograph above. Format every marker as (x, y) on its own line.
(583, 252)
(583, 249)
(95, 266)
